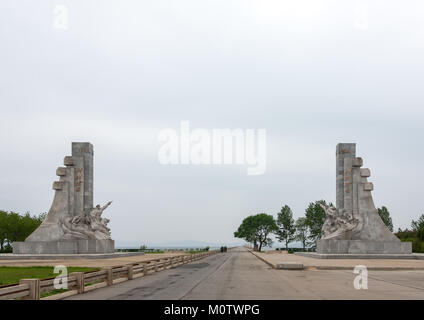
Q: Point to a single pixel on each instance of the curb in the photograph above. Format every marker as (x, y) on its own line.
(263, 260)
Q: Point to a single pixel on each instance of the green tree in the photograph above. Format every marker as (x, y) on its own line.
(256, 229)
(418, 227)
(315, 217)
(302, 232)
(247, 231)
(286, 229)
(265, 226)
(385, 216)
(16, 227)
(3, 229)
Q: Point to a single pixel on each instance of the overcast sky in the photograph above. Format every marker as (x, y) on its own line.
(311, 73)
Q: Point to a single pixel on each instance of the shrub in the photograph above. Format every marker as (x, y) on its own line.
(417, 244)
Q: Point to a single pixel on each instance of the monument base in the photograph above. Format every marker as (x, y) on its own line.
(411, 256)
(64, 247)
(61, 257)
(363, 247)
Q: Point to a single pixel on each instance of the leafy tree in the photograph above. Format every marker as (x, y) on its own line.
(16, 227)
(315, 217)
(286, 229)
(418, 227)
(406, 234)
(265, 226)
(385, 216)
(256, 229)
(247, 230)
(3, 229)
(302, 232)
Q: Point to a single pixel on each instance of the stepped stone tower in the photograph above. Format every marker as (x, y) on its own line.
(72, 225)
(355, 226)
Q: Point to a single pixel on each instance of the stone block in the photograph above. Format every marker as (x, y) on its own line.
(59, 185)
(68, 161)
(61, 172)
(357, 162)
(368, 186)
(365, 172)
(289, 266)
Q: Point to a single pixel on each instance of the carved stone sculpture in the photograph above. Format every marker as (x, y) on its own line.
(72, 224)
(355, 226)
(87, 226)
(339, 225)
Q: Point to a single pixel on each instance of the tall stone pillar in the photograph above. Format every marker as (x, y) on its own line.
(343, 151)
(84, 176)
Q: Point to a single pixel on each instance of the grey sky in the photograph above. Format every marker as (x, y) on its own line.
(312, 73)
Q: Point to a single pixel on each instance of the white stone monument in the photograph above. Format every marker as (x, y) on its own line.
(355, 227)
(73, 225)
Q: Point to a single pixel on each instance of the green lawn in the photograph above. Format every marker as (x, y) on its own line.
(11, 275)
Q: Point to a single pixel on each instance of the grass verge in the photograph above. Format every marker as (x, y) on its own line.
(12, 275)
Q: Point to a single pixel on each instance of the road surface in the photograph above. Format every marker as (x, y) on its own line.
(239, 275)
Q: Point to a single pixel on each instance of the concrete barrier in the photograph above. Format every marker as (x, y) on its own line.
(289, 266)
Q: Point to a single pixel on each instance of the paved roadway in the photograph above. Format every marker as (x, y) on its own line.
(238, 274)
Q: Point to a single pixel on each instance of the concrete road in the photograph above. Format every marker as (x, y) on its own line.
(238, 274)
